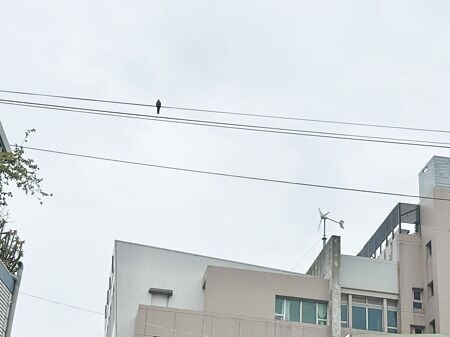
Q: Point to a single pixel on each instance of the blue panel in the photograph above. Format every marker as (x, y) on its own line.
(6, 278)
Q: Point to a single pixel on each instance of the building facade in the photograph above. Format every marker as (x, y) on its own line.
(11, 267)
(398, 283)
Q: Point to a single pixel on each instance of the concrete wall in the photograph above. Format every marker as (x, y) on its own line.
(369, 274)
(328, 266)
(435, 219)
(252, 293)
(154, 321)
(408, 250)
(139, 268)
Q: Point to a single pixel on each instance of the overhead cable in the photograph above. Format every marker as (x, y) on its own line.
(236, 126)
(61, 303)
(313, 120)
(238, 176)
(306, 254)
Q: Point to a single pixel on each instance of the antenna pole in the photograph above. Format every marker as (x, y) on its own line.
(324, 238)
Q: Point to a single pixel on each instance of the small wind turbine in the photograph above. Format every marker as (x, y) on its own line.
(324, 217)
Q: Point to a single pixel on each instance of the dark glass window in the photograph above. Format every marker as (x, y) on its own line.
(294, 310)
(417, 330)
(375, 319)
(309, 312)
(417, 295)
(392, 320)
(279, 305)
(417, 298)
(344, 315)
(359, 317)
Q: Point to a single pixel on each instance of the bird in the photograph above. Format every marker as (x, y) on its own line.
(158, 106)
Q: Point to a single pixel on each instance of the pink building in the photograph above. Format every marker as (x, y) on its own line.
(398, 283)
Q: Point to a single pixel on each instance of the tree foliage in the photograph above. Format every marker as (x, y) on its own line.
(16, 169)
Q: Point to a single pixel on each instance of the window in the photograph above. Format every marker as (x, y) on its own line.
(293, 311)
(392, 318)
(367, 313)
(322, 313)
(279, 308)
(430, 289)
(287, 309)
(417, 299)
(344, 315)
(160, 297)
(417, 330)
(429, 250)
(300, 310)
(344, 310)
(375, 319)
(359, 317)
(392, 321)
(309, 312)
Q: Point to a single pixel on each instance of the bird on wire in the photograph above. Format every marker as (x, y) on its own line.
(158, 106)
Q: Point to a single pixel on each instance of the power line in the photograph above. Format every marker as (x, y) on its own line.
(80, 98)
(229, 175)
(385, 126)
(186, 332)
(61, 303)
(306, 254)
(236, 126)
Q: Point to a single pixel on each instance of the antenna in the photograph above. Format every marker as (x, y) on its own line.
(324, 217)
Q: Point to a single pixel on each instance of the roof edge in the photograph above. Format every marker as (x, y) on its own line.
(210, 257)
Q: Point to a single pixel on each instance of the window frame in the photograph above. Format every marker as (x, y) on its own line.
(344, 324)
(283, 316)
(366, 305)
(391, 328)
(318, 319)
(418, 302)
(414, 328)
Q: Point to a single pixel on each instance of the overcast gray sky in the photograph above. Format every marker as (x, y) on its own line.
(362, 61)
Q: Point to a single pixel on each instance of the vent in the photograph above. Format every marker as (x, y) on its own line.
(435, 174)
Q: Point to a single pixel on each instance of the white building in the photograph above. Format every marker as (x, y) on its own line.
(398, 283)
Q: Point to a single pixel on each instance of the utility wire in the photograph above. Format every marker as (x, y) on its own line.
(385, 126)
(236, 126)
(306, 254)
(61, 303)
(229, 175)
